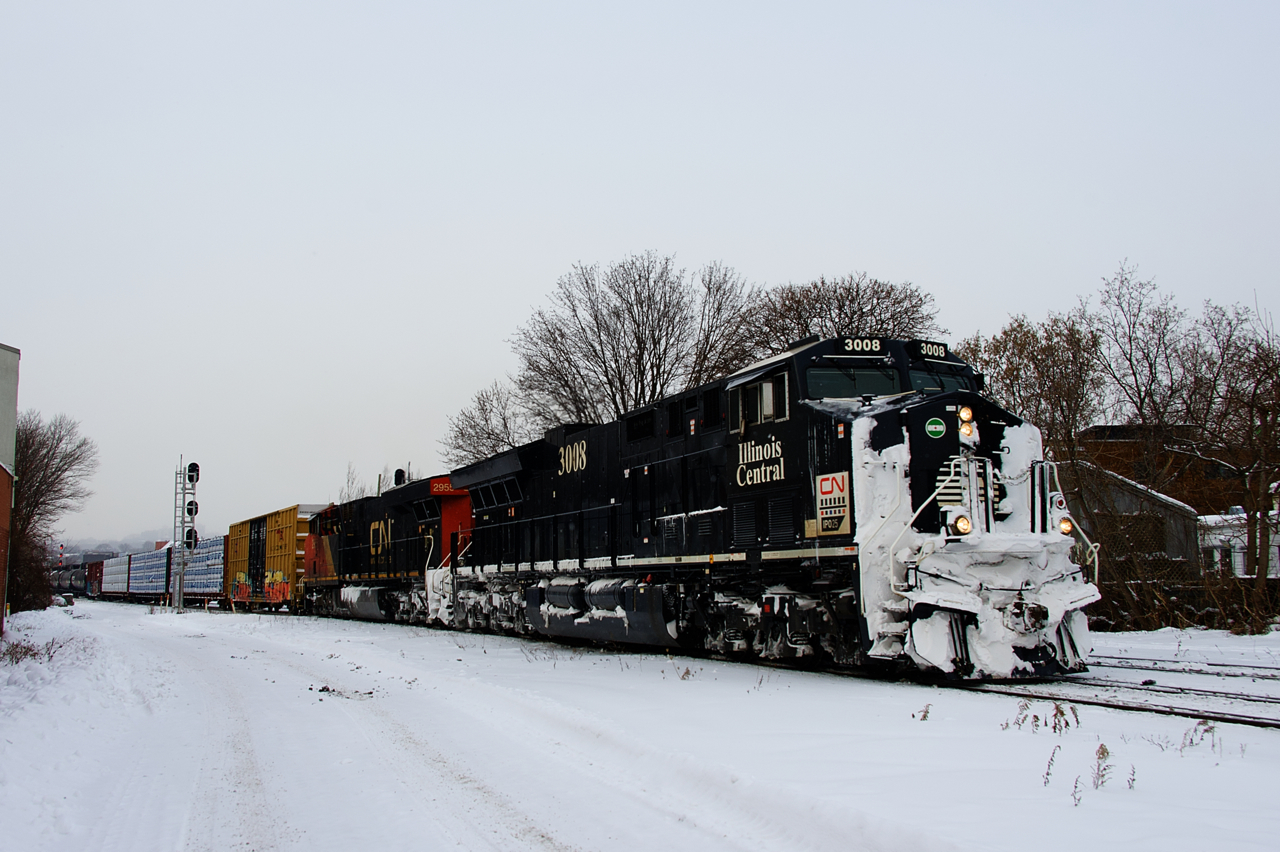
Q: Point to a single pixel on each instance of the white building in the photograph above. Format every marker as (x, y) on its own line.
(1223, 540)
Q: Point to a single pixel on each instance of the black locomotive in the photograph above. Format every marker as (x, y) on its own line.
(854, 498)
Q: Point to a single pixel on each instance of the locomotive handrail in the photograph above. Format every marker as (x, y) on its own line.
(985, 483)
(1091, 549)
(954, 474)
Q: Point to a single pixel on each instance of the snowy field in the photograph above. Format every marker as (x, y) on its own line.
(143, 730)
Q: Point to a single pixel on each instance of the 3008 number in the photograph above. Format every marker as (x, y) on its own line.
(862, 344)
(933, 350)
(573, 458)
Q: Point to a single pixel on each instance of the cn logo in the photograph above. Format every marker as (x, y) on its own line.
(833, 503)
(831, 484)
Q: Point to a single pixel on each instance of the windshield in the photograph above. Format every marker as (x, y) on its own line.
(851, 382)
(938, 381)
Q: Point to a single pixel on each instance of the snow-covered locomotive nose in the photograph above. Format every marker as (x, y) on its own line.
(996, 605)
(973, 574)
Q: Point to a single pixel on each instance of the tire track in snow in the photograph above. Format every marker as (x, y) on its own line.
(624, 778)
(471, 763)
(473, 815)
(141, 804)
(193, 782)
(231, 790)
(720, 808)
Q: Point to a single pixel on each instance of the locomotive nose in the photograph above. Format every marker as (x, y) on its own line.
(1026, 617)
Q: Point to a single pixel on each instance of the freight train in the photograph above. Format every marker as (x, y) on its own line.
(256, 566)
(854, 501)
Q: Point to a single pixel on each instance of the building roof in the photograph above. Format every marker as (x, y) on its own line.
(1130, 432)
(1142, 489)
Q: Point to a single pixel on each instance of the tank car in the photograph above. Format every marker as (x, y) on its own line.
(855, 499)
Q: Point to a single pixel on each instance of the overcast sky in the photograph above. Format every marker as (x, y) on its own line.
(281, 237)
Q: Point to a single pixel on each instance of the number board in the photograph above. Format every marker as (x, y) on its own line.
(927, 349)
(873, 346)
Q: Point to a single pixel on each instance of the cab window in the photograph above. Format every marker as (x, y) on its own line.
(761, 402)
(939, 381)
(851, 382)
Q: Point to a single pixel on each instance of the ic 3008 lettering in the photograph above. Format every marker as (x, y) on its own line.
(862, 344)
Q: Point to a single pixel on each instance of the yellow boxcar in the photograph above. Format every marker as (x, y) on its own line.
(265, 558)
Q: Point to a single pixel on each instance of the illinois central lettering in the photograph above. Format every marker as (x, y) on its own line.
(760, 463)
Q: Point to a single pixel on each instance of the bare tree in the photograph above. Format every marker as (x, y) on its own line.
(52, 467)
(355, 486)
(853, 304)
(1141, 332)
(1046, 372)
(1241, 431)
(722, 341)
(494, 422)
(617, 339)
(1206, 393)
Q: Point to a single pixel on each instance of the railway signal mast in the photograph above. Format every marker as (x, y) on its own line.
(185, 537)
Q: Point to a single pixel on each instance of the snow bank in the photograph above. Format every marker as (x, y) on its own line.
(152, 731)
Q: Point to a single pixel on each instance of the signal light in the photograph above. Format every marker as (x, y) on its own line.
(192, 539)
(193, 473)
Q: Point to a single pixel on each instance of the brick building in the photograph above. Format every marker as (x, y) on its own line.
(1137, 454)
(8, 450)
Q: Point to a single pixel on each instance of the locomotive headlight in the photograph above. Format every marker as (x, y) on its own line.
(1066, 526)
(966, 429)
(961, 524)
(966, 414)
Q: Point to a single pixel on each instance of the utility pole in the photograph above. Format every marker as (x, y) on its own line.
(185, 537)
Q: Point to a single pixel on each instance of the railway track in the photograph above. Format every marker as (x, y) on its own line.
(1186, 667)
(1187, 701)
(1157, 688)
(1240, 708)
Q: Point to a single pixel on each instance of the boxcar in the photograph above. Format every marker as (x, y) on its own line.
(264, 558)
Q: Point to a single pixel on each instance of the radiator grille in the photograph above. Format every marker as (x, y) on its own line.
(952, 494)
(781, 523)
(744, 524)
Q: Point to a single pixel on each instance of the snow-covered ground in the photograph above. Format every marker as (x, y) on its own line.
(147, 730)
